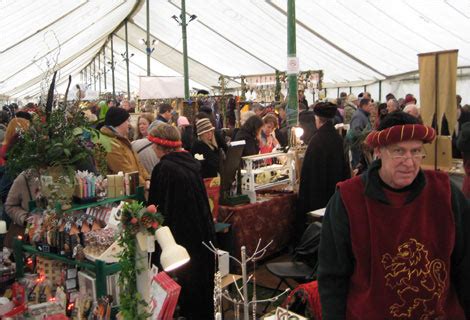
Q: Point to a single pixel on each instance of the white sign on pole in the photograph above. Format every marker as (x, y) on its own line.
(292, 65)
(161, 87)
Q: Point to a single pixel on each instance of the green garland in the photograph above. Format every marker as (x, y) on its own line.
(130, 298)
(134, 218)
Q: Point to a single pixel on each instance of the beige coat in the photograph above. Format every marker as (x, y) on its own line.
(122, 157)
(17, 204)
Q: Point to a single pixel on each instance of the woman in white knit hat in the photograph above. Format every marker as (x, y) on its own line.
(205, 149)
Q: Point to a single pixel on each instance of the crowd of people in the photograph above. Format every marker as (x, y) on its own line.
(382, 151)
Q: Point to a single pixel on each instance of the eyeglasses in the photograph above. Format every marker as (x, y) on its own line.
(401, 155)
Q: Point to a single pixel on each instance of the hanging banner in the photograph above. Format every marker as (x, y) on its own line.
(437, 90)
(437, 87)
(161, 87)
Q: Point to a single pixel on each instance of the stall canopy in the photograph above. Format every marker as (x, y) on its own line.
(352, 41)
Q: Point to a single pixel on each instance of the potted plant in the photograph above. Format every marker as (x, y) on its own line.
(54, 146)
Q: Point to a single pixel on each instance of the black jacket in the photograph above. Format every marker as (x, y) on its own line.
(251, 142)
(160, 118)
(187, 137)
(178, 190)
(210, 164)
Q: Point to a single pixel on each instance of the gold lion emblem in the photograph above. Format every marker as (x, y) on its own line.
(419, 283)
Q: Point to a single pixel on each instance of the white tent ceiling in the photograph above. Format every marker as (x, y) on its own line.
(352, 41)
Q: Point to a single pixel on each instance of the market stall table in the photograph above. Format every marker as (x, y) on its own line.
(456, 172)
(271, 218)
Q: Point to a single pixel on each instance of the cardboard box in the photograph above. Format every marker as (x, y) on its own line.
(223, 258)
(119, 185)
(111, 186)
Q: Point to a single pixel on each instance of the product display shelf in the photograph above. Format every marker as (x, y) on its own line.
(272, 184)
(269, 168)
(139, 196)
(100, 268)
(261, 164)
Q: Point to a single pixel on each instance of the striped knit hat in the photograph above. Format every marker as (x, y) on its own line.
(203, 125)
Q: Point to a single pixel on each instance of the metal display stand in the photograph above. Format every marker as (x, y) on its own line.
(242, 298)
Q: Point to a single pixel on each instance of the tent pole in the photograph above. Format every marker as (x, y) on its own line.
(380, 90)
(104, 66)
(350, 90)
(127, 62)
(293, 119)
(337, 93)
(147, 42)
(94, 74)
(112, 68)
(185, 50)
(99, 74)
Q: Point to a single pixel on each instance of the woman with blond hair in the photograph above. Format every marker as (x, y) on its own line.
(177, 188)
(205, 149)
(14, 129)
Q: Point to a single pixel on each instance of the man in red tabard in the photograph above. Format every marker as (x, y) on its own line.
(395, 241)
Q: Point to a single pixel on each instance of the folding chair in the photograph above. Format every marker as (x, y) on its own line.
(303, 265)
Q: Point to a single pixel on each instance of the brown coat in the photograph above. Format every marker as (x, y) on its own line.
(122, 157)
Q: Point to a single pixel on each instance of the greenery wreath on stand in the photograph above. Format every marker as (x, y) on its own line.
(135, 218)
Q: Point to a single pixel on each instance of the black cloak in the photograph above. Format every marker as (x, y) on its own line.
(325, 164)
(177, 188)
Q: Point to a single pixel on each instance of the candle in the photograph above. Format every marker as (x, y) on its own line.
(3, 227)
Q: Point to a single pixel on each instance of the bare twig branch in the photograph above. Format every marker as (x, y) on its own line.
(213, 249)
(270, 299)
(258, 254)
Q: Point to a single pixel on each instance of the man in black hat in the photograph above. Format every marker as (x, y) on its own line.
(121, 157)
(325, 164)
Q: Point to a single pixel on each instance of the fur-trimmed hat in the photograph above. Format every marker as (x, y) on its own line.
(325, 110)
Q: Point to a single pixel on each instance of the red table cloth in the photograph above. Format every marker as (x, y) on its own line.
(272, 219)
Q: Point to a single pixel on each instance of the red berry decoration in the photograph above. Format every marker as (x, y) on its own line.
(134, 220)
(152, 208)
(146, 220)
